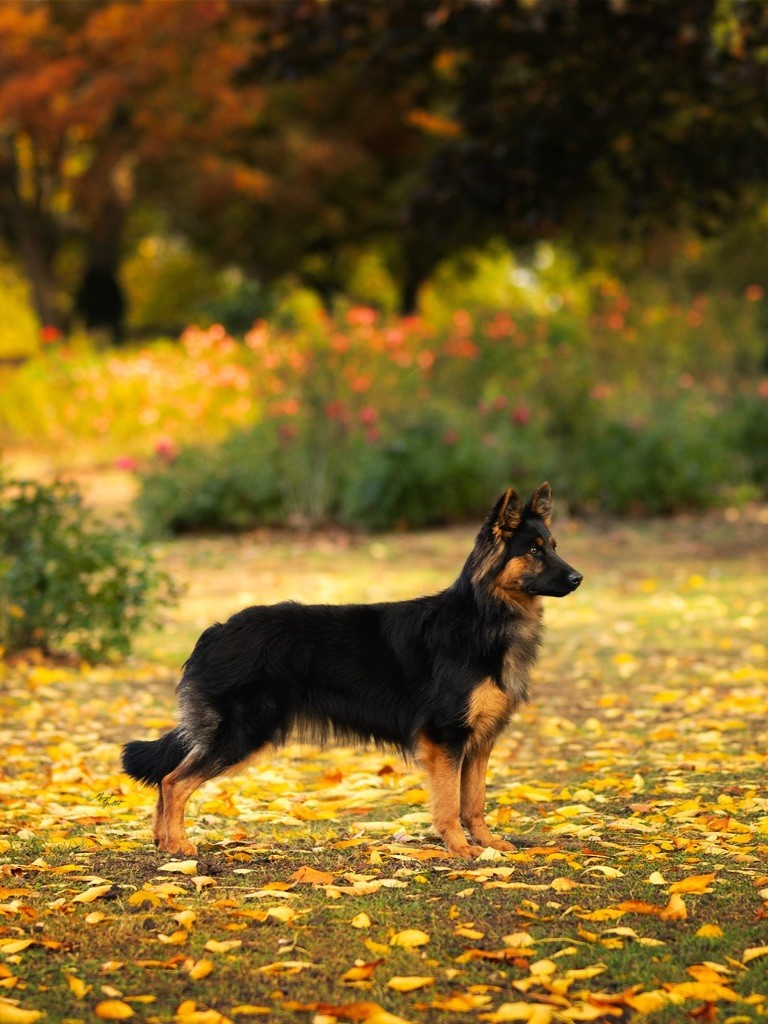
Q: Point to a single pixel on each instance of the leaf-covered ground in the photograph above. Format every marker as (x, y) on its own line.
(635, 783)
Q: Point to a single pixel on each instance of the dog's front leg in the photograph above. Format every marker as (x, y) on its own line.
(444, 774)
(473, 772)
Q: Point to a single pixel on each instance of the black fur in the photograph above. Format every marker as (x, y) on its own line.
(149, 761)
(398, 673)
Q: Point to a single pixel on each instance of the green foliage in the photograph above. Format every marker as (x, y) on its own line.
(232, 487)
(441, 466)
(751, 429)
(67, 581)
(680, 455)
(437, 466)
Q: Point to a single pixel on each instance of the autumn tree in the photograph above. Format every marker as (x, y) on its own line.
(593, 119)
(283, 137)
(103, 104)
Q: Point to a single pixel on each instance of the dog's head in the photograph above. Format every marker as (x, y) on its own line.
(514, 555)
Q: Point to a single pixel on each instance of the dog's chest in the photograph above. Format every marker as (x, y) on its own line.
(519, 657)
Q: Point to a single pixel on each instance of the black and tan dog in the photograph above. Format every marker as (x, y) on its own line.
(435, 677)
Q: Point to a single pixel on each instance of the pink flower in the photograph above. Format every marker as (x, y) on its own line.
(126, 462)
(521, 415)
(166, 449)
(368, 415)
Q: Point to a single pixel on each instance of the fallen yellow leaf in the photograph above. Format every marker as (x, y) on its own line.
(181, 867)
(10, 1014)
(91, 894)
(15, 945)
(223, 946)
(409, 938)
(307, 875)
(409, 983)
(675, 910)
(361, 921)
(77, 986)
(532, 1013)
(709, 931)
(201, 969)
(709, 991)
(360, 972)
(647, 1002)
(113, 1009)
(694, 883)
(753, 953)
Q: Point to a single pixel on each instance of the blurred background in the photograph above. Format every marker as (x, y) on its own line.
(366, 263)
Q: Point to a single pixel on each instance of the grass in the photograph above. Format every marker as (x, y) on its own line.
(635, 784)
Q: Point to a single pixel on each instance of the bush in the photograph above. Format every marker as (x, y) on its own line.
(751, 414)
(67, 581)
(231, 487)
(437, 466)
(681, 455)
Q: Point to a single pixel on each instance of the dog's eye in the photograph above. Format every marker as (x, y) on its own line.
(535, 550)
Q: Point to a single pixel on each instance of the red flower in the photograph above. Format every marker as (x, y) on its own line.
(368, 415)
(361, 316)
(49, 334)
(521, 415)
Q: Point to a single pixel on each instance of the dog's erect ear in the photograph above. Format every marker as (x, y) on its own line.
(541, 503)
(507, 514)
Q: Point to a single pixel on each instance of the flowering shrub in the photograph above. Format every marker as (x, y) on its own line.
(375, 422)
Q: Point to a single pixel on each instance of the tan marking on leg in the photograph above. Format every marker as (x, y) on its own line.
(175, 793)
(170, 835)
(473, 772)
(488, 712)
(158, 820)
(445, 783)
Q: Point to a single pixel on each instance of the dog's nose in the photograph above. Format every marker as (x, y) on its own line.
(575, 578)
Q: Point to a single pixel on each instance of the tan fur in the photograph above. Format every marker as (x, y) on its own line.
(174, 792)
(488, 713)
(445, 783)
(473, 772)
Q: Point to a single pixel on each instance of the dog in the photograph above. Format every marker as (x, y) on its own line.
(436, 677)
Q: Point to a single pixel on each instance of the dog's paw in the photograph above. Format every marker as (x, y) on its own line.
(182, 849)
(467, 852)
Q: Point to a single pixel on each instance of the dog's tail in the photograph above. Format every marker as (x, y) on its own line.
(149, 761)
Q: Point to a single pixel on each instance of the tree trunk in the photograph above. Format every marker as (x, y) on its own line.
(100, 299)
(34, 237)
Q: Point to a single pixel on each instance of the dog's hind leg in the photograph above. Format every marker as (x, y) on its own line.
(444, 772)
(473, 772)
(175, 789)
